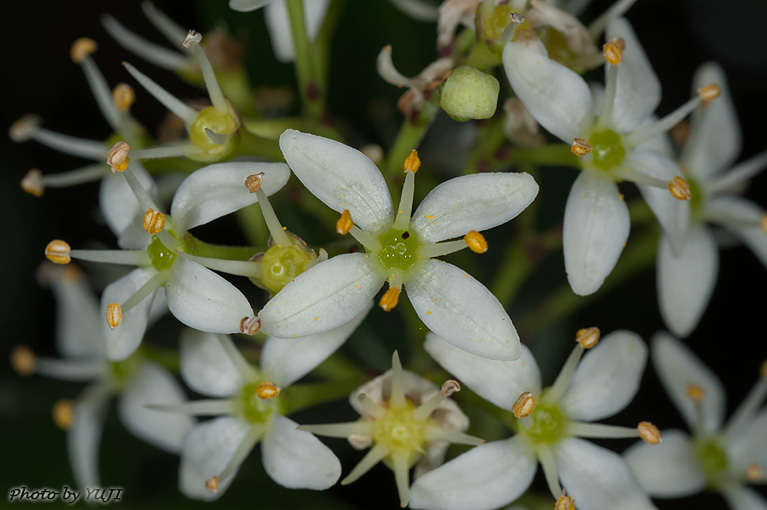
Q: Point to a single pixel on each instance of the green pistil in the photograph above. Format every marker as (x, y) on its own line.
(281, 264)
(399, 431)
(161, 257)
(219, 123)
(608, 149)
(713, 459)
(547, 424)
(255, 409)
(398, 249)
(697, 199)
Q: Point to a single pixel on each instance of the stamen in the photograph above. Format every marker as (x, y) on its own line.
(565, 503)
(754, 472)
(212, 484)
(412, 162)
(373, 457)
(253, 182)
(411, 166)
(565, 375)
(267, 390)
(524, 406)
(615, 11)
(63, 413)
(694, 392)
(123, 97)
(649, 433)
(176, 106)
(172, 31)
(208, 407)
(154, 221)
(114, 315)
(32, 183)
(80, 147)
(679, 188)
(369, 242)
(397, 398)
(250, 325)
(588, 337)
(390, 299)
(119, 257)
(709, 92)
(613, 51)
(362, 428)
(476, 242)
(580, 147)
(344, 223)
(35, 182)
(146, 202)
(167, 151)
(371, 408)
(25, 128)
(244, 368)
(449, 387)
(515, 19)
(247, 268)
(278, 234)
(154, 53)
(433, 433)
(146, 290)
(663, 125)
(57, 251)
(426, 408)
(23, 360)
(600, 430)
(739, 173)
(401, 468)
(429, 251)
(745, 412)
(69, 369)
(192, 41)
(117, 157)
(82, 48)
(549, 465)
(241, 452)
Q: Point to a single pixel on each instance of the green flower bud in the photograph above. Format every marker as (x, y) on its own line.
(470, 94)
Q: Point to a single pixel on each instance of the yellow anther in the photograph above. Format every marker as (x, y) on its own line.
(588, 337)
(212, 484)
(123, 97)
(250, 325)
(24, 128)
(154, 221)
(114, 315)
(649, 433)
(193, 37)
(23, 360)
(267, 390)
(613, 51)
(57, 252)
(63, 413)
(694, 392)
(580, 147)
(390, 299)
(762, 218)
(754, 472)
(117, 157)
(81, 48)
(679, 188)
(253, 182)
(344, 223)
(524, 406)
(709, 92)
(412, 162)
(450, 386)
(32, 183)
(565, 503)
(476, 242)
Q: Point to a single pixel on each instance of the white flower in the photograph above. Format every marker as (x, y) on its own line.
(251, 409)
(719, 456)
(407, 420)
(135, 381)
(195, 295)
(686, 279)
(399, 250)
(621, 142)
(548, 425)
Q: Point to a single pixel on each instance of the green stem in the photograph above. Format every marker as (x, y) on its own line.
(409, 136)
(324, 38)
(491, 138)
(309, 79)
(549, 155)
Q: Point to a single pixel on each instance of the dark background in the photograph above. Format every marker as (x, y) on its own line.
(38, 77)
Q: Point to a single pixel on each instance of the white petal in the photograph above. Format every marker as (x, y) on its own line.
(741, 217)
(206, 451)
(747, 445)
(462, 311)
(323, 298)
(247, 5)
(485, 477)
(85, 433)
(598, 478)
(672, 214)
(744, 498)
(286, 360)
(472, 202)
(203, 300)
(117, 202)
(558, 98)
(715, 139)
(122, 341)
(78, 330)
(499, 382)
(595, 230)
(296, 459)
(678, 367)
(278, 23)
(670, 469)
(607, 378)
(342, 177)
(218, 190)
(686, 282)
(638, 89)
(206, 367)
(152, 384)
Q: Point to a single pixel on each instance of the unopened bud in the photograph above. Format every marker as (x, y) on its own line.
(117, 157)
(649, 433)
(476, 242)
(267, 390)
(679, 188)
(694, 392)
(32, 183)
(390, 299)
(57, 251)
(123, 97)
(709, 92)
(63, 413)
(524, 405)
(468, 93)
(193, 37)
(250, 325)
(81, 48)
(23, 360)
(253, 182)
(588, 337)
(114, 315)
(580, 147)
(450, 386)
(412, 162)
(344, 223)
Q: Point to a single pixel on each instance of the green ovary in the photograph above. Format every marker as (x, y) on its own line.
(398, 250)
(160, 255)
(608, 149)
(280, 265)
(255, 409)
(399, 432)
(548, 424)
(713, 459)
(219, 123)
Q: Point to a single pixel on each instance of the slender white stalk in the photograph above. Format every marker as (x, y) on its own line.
(243, 450)
(373, 457)
(549, 465)
(565, 375)
(69, 370)
(515, 19)
(210, 407)
(371, 408)
(746, 410)
(429, 251)
(633, 175)
(209, 76)
(172, 31)
(165, 151)
(343, 430)
(154, 53)
(176, 106)
(611, 86)
(119, 257)
(435, 433)
(168, 240)
(272, 222)
(369, 242)
(397, 397)
(582, 429)
(661, 126)
(146, 290)
(88, 149)
(245, 369)
(425, 409)
(402, 221)
(144, 200)
(598, 26)
(235, 267)
(81, 175)
(101, 92)
(739, 173)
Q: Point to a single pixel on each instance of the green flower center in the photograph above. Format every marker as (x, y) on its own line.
(281, 264)
(160, 255)
(255, 409)
(713, 459)
(123, 370)
(697, 198)
(608, 149)
(221, 124)
(399, 431)
(398, 250)
(548, 424)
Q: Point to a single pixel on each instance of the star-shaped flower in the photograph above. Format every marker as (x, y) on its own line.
(548, 425)
(399, 249)
(722, 457)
